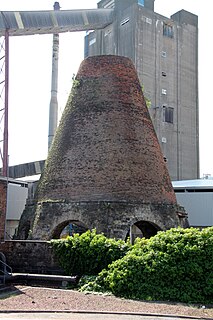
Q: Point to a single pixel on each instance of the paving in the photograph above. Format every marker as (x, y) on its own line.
(17, 314)
(85, 316)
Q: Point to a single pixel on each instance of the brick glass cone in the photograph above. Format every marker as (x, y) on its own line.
(106, 147)
(105, 154)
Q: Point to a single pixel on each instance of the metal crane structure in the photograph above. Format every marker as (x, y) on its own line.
(4, 85)
(21, 23)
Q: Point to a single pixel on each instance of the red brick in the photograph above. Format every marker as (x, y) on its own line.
(106, 148)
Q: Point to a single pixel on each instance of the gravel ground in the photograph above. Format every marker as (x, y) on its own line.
(43, 299)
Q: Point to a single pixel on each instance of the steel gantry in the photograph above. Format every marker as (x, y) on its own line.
(4, 85)
(21, 23)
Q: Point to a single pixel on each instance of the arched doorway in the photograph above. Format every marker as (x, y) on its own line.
(24, 231)
(68, 228)
(142, 229)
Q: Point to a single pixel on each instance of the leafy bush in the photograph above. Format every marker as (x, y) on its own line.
(175, 265)
(88, 253)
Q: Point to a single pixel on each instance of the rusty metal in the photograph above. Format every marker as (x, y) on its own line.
(5, 142)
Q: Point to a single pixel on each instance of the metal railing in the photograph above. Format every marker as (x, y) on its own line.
(5, 269)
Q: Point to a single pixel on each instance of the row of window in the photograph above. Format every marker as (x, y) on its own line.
(168, 29)
(168, 112)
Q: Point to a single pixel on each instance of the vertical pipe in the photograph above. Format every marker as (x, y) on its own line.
(131, 235)
(197, 108)
(53, 109)
(5, 142)
(178, 177)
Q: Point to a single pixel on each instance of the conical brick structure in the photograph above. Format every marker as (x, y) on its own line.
(105, 168)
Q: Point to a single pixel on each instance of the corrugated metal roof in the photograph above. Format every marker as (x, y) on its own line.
(193, 184)
(54, 21)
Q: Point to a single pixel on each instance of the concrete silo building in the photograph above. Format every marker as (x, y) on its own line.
(165, 54)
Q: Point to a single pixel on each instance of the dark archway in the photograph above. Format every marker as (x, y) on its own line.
(142, 229)
(24, 231)
(147, 228)
(68, 228)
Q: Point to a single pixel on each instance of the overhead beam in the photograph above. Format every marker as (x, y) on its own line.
(19, 23)
(26, 169)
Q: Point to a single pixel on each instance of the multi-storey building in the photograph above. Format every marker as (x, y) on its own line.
(165, 53)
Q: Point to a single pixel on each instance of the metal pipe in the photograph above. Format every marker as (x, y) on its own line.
(53, 109)
(5, 142)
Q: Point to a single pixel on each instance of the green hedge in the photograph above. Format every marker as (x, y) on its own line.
(175, 265)
(88, 253)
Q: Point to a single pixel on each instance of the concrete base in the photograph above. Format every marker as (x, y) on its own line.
(114, 219)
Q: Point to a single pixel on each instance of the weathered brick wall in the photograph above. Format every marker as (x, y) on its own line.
(30, 257)
(106, 148)
(3, 204)
(112, 218)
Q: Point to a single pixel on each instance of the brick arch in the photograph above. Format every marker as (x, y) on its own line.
(54, 216)
(59, 228)
(113, 219)
(25, 230)
(147, 228)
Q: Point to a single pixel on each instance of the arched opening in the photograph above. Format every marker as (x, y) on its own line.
(142, 229)
(24, 232)
(68, 228)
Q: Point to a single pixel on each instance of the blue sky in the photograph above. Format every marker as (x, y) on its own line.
(30, 78)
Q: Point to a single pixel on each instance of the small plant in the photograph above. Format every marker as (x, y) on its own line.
(75, 82)
(147, 100)
(88, 253)
(175, 265)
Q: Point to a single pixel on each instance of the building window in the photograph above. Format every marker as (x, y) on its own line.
(107, 33)
(91, 42)
(163, 54)
(164, 92)
(146, 19)
(168, 114)
(141, 2)
(123, 22)
(109, 5)
(168, 30)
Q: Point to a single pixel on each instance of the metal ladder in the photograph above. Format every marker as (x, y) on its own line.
(5, 269)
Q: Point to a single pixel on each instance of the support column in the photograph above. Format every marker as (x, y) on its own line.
(53, 110)
(5, 142)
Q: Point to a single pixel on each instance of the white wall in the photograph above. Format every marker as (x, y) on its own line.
(16, 199)
(199, 206)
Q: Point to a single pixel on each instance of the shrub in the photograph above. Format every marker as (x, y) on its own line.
(175, 265)
(88, 253)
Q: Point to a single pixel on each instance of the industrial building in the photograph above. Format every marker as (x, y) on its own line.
(165, 54)
(164, 51)
(196, 196)
(14, 194)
